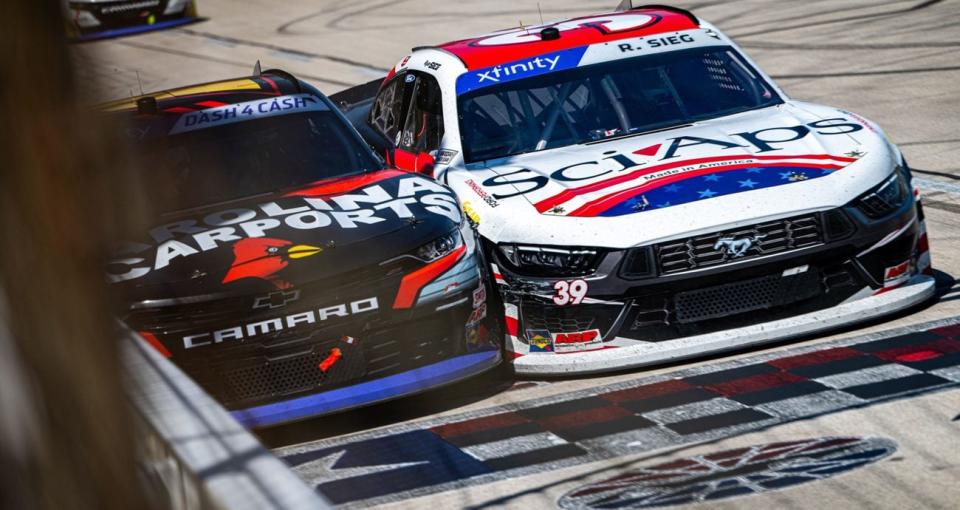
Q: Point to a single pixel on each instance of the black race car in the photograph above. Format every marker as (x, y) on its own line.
(99, 19)
(290, 274)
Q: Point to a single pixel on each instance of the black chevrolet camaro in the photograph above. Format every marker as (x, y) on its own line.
(288, 272)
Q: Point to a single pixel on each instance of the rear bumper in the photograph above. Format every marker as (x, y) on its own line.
(370, 392)
(637, 354)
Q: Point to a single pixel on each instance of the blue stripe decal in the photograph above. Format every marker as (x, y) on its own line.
(715, 185)
(398, 385)
(139, 29)
(520, 69)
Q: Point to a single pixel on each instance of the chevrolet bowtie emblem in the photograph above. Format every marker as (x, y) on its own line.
(276, 299)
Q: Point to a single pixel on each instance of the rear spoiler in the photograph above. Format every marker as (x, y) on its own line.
(356, 96)
(627, 5)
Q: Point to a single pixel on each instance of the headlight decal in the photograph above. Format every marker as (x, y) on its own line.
(413, 283)
(885, 198)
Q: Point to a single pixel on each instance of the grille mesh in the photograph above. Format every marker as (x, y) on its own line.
(572, 319)
(746, 296)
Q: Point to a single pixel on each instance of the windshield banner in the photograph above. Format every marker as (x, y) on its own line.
(542, 64)
(241, 112)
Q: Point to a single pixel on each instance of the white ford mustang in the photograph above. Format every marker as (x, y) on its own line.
(645, 193)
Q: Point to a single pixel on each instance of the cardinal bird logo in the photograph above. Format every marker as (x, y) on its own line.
(263, 258)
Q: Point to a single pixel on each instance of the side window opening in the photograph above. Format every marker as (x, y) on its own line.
(423, 129)
(408, 111)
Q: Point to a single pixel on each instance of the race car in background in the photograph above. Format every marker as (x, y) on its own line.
(288, 272)
(644, 193)
(100, 19)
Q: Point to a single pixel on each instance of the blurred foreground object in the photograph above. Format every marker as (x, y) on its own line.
(62, 195)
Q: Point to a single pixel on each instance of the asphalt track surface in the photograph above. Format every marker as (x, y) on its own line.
(867, 417)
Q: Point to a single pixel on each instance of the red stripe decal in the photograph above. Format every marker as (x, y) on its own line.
(412, 283)
(513, 326)
(211, 104)
(272, 84)
(340, 185)
(606, 202)
(151, 339)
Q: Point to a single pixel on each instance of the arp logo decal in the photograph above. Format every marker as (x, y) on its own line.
(578, 342)
(744, 471)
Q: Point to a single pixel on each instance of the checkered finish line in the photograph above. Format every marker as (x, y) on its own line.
(684, 407)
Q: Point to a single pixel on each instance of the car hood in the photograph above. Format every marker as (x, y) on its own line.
(288, 239)
(755, 166)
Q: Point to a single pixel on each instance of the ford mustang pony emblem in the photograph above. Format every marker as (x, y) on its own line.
(736, 248)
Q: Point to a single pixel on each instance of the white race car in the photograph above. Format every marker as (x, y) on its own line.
(645, 193)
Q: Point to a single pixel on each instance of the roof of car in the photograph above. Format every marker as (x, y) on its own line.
(214, 94)
(482, 52)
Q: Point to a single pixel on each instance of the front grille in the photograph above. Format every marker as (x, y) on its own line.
(745, 296)
(268, 378)
(572, 319)
(125, 7)
(768, 238)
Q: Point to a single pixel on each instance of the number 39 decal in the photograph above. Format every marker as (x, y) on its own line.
(570, 293)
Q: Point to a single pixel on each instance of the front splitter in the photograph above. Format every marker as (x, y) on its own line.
(918, 290)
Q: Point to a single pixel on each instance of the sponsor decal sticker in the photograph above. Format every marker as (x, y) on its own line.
(540, 340)
(246, 229)
(578, 342)
(477, 315)
(479, 297)
(570, 292)
(897, 275)
(241, 112)
(518, 70)
(278, 324)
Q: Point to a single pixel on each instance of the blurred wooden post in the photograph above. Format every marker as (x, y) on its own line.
(63, 194)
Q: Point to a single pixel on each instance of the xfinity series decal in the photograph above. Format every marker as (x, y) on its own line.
(542, 64)
(345, 210)
(241, 112)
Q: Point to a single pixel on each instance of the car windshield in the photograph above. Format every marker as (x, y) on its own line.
(608, 100)
(244, 159)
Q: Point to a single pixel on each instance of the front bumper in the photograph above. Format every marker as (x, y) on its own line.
(919, 289)
(370, 392)
(627, 321)
(103, 20)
